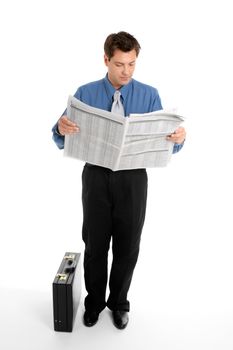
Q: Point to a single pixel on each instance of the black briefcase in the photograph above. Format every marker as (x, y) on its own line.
(67, 292)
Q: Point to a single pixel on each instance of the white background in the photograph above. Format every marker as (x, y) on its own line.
(48, 49)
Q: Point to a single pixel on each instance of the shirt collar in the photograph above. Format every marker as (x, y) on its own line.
(111, 90)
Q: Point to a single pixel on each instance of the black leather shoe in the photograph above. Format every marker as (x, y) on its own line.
(120, 318)
(90, 318)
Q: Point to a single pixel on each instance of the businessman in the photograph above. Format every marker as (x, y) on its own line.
(114, 202)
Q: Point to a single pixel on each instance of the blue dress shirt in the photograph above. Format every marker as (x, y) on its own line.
(136, 98)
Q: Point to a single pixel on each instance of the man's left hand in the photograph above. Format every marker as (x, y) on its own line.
(178, 136)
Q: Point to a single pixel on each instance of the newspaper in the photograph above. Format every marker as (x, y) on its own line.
(117, 142)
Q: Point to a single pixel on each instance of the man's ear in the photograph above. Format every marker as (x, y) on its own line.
(106, 60)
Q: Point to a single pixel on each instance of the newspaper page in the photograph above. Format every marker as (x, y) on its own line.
(117, 142)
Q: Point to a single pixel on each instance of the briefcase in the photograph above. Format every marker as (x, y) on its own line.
(67, 292)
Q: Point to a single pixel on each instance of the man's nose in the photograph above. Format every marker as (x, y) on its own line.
(126, 70)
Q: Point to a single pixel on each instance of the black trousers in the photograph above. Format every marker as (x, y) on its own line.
(114, 205)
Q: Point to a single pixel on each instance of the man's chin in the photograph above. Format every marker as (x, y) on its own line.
(125, 81)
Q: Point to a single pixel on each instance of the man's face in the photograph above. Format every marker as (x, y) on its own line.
(121, 67)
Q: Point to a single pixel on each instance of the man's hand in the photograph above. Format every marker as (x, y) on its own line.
(66, 126)
(178, 136)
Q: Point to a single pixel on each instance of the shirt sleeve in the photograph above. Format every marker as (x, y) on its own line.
(177, 147)
(57, 137)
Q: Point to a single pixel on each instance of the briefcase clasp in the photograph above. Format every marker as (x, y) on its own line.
(62, 276)
(69, 257)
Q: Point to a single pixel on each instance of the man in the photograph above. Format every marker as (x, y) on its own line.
(114, 203)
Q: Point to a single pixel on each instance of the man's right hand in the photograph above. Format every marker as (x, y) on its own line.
(66, 126)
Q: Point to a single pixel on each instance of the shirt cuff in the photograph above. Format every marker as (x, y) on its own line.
(57, 131)
(177, 147)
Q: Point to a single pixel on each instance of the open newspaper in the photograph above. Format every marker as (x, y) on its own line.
(117, 142)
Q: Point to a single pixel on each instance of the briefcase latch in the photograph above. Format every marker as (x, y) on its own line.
(62, 276)
(69, 257)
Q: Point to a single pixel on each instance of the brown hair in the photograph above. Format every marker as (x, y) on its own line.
(122, 41)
